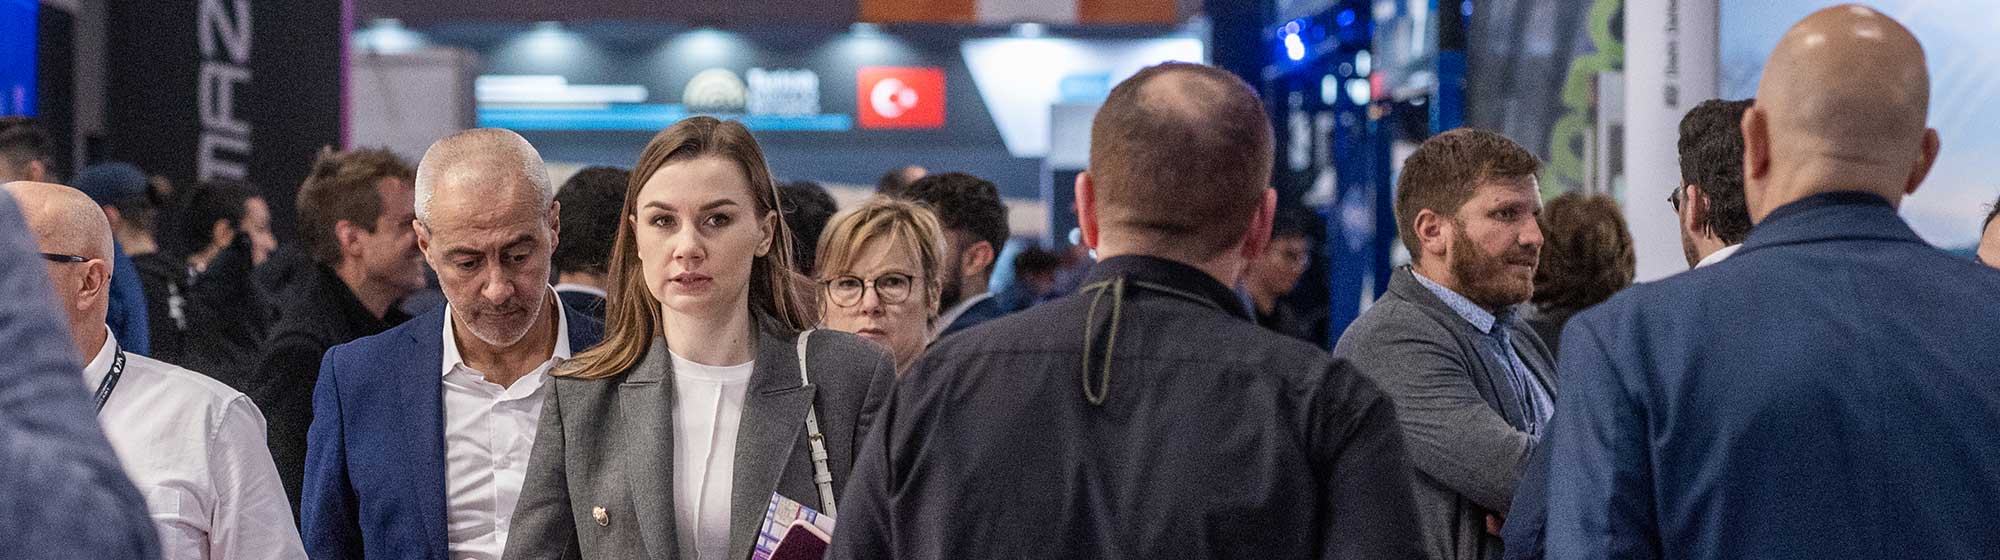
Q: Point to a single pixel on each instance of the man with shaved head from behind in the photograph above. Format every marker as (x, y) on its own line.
(1148, 415)
(1830, 391)
(420, 434)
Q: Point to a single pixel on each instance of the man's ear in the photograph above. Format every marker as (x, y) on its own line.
(555, 224)
(1258, 236)
(1086, 208)
(975, 259)
(1756, 160)
(348, 236)
(423, 237)
(1694, 217)
(96, 283)
(1925, 159)
(1433, 232)
(220, 234)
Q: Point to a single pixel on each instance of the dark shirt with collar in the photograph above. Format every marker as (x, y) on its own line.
(1209, 437)
(1830, 391)
(319, 313)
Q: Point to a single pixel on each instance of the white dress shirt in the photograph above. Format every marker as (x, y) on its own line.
(708, 411)
(195, 448)
(1718, 255)
(488, 432)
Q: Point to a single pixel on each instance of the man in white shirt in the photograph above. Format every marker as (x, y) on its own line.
(420, 435)
(194, 447)
(1713, 216)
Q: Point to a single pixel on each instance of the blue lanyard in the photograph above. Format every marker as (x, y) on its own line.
(110, 381)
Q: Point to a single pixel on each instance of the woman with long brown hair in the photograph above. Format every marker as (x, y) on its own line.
(710, 391)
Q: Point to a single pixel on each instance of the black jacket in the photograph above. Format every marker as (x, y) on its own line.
(1176, 428)
(318, 313)
(214, 322)
(163, 277)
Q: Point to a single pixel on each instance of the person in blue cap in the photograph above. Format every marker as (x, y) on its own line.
(117, 187)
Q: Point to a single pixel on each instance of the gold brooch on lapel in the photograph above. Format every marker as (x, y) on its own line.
(603, 518)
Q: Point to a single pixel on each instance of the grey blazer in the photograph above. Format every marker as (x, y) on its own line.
(1467, 456)
(608, 443)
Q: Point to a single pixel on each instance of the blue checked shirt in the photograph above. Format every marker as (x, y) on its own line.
(1528, 393)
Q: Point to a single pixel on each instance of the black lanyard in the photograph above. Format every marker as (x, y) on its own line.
(110, 381)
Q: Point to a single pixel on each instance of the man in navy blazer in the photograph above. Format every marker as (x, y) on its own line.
(1833, 389)
(421, 434)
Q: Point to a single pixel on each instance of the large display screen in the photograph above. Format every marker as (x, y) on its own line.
(1965, 79)
(17, 57)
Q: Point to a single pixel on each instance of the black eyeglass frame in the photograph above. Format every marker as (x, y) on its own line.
(62, 258)
(869, 284)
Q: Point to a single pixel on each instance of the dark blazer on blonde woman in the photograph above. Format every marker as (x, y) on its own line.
(608, 443)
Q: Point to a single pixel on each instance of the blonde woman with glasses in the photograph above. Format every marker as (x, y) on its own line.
(880, 270)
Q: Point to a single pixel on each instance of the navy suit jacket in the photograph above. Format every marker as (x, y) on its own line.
(1830, 391)
(375, 469)
(986, 310)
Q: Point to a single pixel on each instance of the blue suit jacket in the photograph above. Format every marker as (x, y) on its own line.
(986, 310)
(127, 315)
(1831, 391)
(375, 469)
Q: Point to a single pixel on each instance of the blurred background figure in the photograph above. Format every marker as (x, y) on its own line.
(355, 210)
(124, 194)
(807, 207)
(975, 229)
(1714, 217)
(893, 182)
(882, 270)
(1586, 257)
(65, 494)
(24, 151)
(1276, 272)
(590, 201)
(135, 213)
(1035, 271)
(216, 316)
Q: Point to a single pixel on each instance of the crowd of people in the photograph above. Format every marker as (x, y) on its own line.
(638, 363)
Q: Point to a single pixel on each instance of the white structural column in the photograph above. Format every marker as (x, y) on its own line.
(1671, 65)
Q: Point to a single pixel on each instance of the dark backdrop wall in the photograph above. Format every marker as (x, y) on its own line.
(225, 89)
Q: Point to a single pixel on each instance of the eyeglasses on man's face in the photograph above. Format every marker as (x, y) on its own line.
(62, 258)
(892, 288)
(1674, 198)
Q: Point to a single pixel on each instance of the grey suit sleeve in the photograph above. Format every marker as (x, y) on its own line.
(881, 379)
(544, 525)
(1452, 435)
